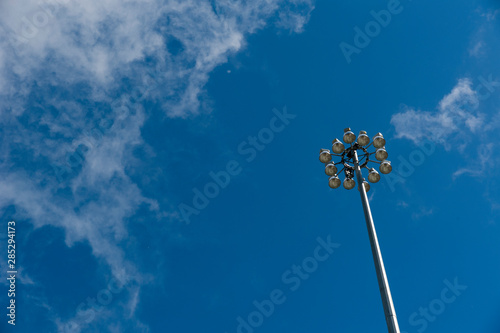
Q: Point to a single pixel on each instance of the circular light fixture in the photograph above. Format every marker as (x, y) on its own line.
(337, 146)
(349, 183)
(366, 185)
(331, 169)
(373, 176)
(385, 167)
(324, 156)
(349, 136)
(378, 141)
(334, 182)
(381, 154)
(354, 155)
(363, 139)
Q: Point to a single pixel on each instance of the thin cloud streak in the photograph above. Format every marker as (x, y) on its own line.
(457, 112)
(63, 63)
(458, 124)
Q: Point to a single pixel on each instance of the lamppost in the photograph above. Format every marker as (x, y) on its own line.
(351, 165)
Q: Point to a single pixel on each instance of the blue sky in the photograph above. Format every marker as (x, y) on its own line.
(116, 116)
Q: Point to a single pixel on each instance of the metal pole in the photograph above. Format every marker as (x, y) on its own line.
(383, 283)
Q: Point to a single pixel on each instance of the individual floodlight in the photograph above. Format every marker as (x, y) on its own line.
(324, 156)
(381, 154)
(331, 169)
(385, 167)
(349, 136)
(363, 139)
(378, 141)
(337, 146)
(334, 182)
(373, 176)
(349, 183)
(366, 185)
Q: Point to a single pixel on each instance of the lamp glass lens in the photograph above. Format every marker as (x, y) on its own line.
(373, 176)
(325, 157)
(334, 182)
(363, 139)
(385, 167)
(349, 184)
(331, 169)
(381, 154)
(349, 137)
(338, 147)
(378, 141)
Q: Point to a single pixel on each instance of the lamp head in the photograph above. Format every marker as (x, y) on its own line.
(373, 176)
(385, 167)
(324, 156)
(349, 136)
(337, 146)
(349, 183)
(381, 154)
(331, 169)
(334, 182)
(366, 185)
(378, 141)
(363, 139)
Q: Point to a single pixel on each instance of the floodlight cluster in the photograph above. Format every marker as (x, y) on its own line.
(359, 145)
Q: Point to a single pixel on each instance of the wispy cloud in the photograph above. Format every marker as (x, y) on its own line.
(477, 49)
(462, 121)
(64, 62)
(457, 113)
(485, 155)
(422, 212)
(491, 14)
(484, 38)
(102, 42)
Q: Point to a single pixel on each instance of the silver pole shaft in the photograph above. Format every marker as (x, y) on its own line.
(383, 282)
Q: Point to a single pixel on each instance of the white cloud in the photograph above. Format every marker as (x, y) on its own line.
(63, 62)
(102, 41)
(295, 14)
(458, 124)
(422, 212)
(456, 113)
(484, 39)
(477, 49)
(491, 14)
(461, 95)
